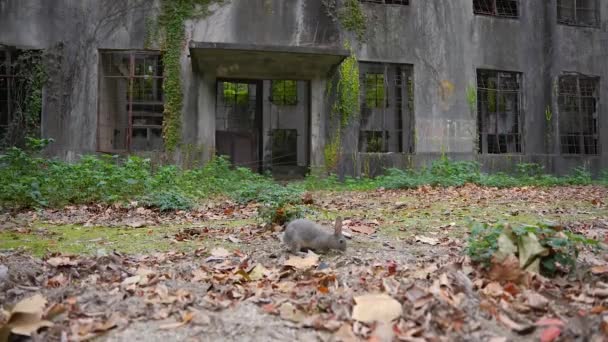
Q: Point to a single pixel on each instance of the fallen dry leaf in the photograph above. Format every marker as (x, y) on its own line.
(289, 312)
(550, 334)
(427, 240)
(367, 230)
(547, 322)
(25, 318)
(599, 269)
(186, 318)
(302, 263)
(535, 300)
(345, 334)
(258, 272)
(61, 261)
(506, 270)
(493, 289)
(376, 308)
(509, 323)
(220, 252)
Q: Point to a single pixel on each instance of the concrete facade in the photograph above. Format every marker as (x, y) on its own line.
(443, 42)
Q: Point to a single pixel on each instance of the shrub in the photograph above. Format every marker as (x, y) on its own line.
(560, 247)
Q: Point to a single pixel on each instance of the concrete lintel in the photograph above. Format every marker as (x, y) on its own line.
(248, 61)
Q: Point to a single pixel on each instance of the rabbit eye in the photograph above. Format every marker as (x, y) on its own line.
(341, 241)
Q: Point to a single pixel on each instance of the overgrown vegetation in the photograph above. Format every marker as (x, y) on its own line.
(29, 181)
(29, 78)
(542, 248)
(171, 24)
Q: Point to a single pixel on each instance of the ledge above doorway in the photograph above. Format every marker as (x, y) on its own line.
(251, 61)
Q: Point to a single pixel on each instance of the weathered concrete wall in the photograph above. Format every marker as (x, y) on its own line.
(73, 32)
(446, 42)
(443, 40)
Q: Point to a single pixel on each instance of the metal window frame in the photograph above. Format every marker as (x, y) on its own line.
(283, 101)
(130, 102)
(579, 97)
(575, 21)
(387, 2)
(495, 10)
(482, 135)
(397, 97)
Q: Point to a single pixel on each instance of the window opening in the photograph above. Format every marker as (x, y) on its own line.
(497, 8)
(284, 93)
(499, 111)
(578, 114)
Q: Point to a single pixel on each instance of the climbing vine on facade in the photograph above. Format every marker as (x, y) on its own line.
(28, 77)
(172, 32)
(350, 15)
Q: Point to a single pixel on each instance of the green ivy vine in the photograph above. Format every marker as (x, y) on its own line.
(350, 15)
(27, 100)
(171, 27)
(347, 88)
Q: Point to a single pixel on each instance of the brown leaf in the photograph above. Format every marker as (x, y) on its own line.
(345, 334)
(427, 240)
(61, 261)
(220, 252)
(376, 308)
(599, 269)
(362, 229)
(307, 198)
(186, 318)
(26, 317)
(493, 289)
(535, 300)
(506, 271)
(289, 312)
(517, 327)
(303, 263)
(547, 322)
(550, 334)
(57, 281)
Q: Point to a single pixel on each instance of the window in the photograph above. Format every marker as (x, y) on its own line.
(578, 12)
(284, 93)
(498, 8)
(284, 147)
(375, 93)
(387, 118)
(131, 102)
(578, 114)
(18, 78)
(235, 94)
(388, 2)
(498, 107)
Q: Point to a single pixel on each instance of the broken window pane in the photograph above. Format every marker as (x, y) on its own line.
(284, 93)
(374, 91)
(578, 116)
(498, 106)
(577, 12)
(18, 77)
(236, 94)
(386, 108)
(285, 147)
(499, 8)
(131, 102)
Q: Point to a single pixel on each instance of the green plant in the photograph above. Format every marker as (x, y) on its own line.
(168, 201)
(171, 23)
(30, 77)
(353, 19)
(529, 170)
(556, 251)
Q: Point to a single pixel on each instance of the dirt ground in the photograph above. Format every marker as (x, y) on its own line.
(215, 273)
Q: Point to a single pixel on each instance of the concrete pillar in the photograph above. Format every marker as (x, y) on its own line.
(318, 115)
(207, 97)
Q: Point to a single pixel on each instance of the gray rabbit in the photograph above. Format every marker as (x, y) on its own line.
(304, 234)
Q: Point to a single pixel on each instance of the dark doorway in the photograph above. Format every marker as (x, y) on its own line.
(238, 122)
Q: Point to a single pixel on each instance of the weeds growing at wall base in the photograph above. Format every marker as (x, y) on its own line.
(28, 180)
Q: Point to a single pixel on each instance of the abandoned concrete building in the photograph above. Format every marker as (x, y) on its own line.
(498, 81)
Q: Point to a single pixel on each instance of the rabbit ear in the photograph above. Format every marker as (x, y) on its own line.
(338, 226)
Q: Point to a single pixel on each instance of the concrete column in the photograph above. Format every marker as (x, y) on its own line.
(318, 120)
(207, 97)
